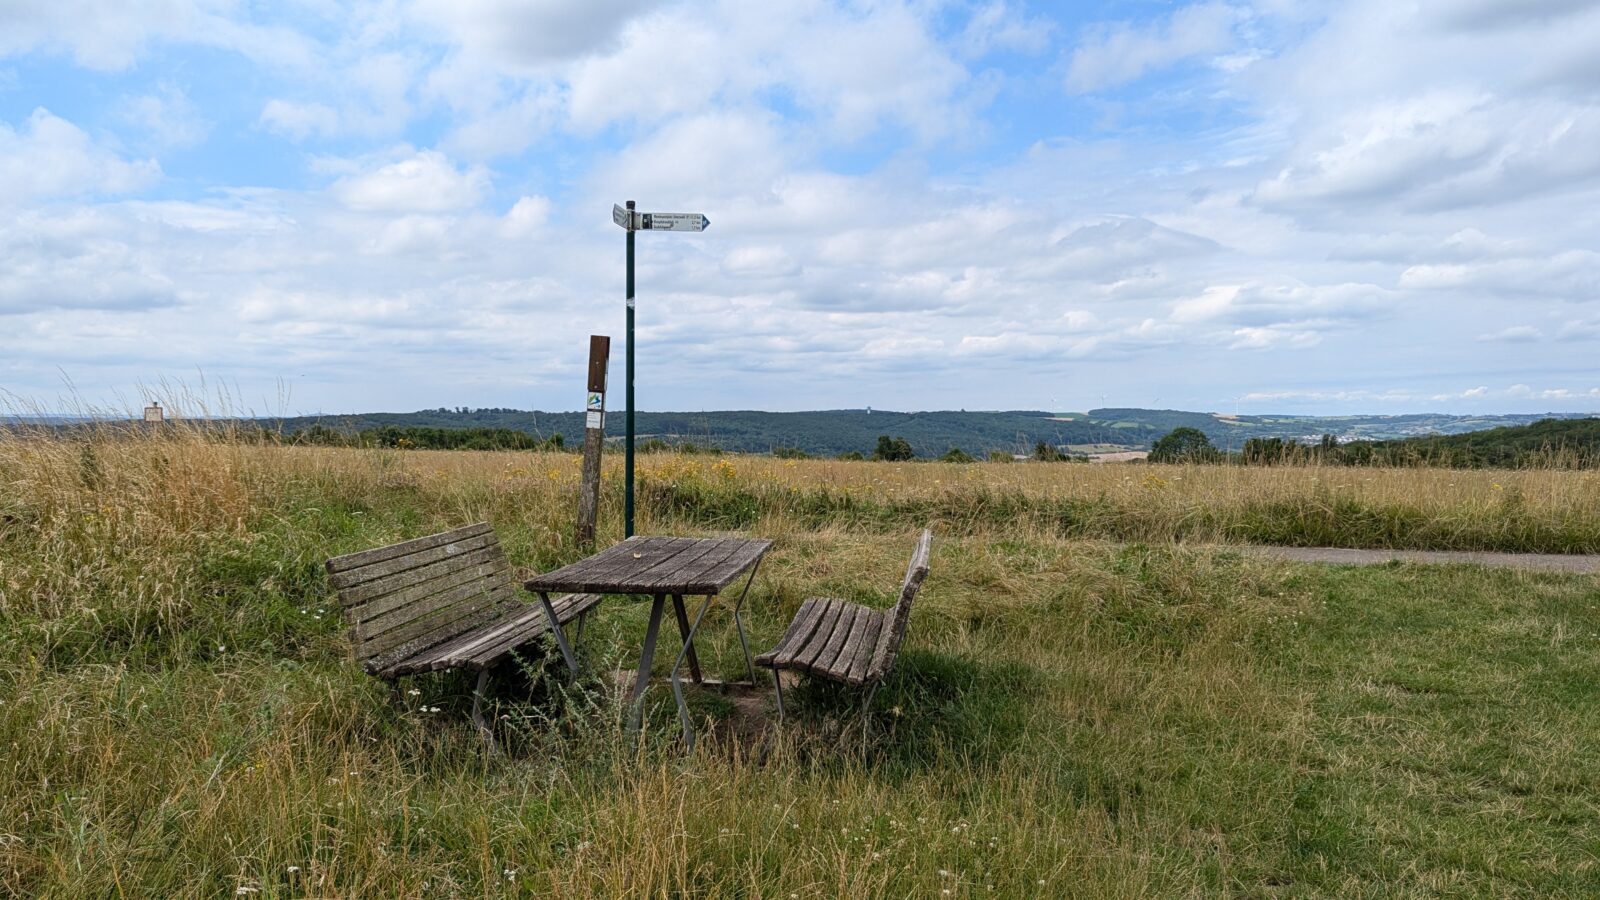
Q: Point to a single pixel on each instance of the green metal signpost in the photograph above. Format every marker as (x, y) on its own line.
(630, 221)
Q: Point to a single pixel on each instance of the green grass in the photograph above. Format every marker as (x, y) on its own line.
(179, 716)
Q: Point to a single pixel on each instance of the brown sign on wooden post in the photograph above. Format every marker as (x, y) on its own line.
(599, 352)
(594, 438)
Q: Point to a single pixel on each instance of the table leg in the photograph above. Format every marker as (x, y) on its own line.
(561, 636)
(646, 659)
(738, 625)
(683, 632)
(677, 683)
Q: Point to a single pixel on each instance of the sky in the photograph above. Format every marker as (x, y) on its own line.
(1365, 206)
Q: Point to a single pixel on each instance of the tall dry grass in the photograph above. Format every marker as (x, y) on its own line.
(180, 717)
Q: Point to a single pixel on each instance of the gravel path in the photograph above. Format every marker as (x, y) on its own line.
(1539, 562)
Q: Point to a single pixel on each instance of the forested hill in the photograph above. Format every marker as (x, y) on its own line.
(823, 432)
(930, 434)
(1551, 441)
(1230, 431)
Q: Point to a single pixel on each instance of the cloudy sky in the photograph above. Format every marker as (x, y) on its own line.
(1263, 205)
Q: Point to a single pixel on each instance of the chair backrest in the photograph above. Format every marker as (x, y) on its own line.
(894, 622)
(402, 599)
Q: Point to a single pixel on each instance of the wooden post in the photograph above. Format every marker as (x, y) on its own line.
(594, 438)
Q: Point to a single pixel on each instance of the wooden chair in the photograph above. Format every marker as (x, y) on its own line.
(846, 642)
(445, 601)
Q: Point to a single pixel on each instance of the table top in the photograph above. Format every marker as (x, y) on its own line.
(657, 565)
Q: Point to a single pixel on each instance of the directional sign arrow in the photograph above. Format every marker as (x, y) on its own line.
(624, 219)
(673, 222)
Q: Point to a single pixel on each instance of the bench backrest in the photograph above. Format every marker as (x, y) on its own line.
(402, 599)
(894, 622)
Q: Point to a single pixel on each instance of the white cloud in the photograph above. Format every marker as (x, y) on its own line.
(424, 182)
(112, 34)
(51, 157)
(1572, 275)
(1273, 337)
(1278, 304)
(999, 25)
(1444, 148)
(760, 261)
(1366, 227)
(531, 32)
(1514, 334)
(526, 216)
(168, 116)
(1110, 55)
(299, 120)
(855, 69)
(1580, 330)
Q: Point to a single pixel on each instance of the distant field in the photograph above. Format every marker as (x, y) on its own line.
(1086, 707)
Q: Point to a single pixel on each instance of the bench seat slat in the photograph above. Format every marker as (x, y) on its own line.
(859, 650)
(805, 621)
(822, 620)
(819, 638)
(821, 663)
(516, 625)
(484, 650)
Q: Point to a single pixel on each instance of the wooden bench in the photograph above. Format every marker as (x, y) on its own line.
(445, 601)
(837, 640)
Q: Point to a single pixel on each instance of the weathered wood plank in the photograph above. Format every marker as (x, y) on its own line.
(379, 554)
(894, 620)
(804, 618)
(792, 651)
(819, 638)
(483, 616)
(611, 564)
(824, 660)
(353, 577)
(488, 648)
(496, 567)
(513, 626)
(614, 571)
(657, 562)
(450, 592)
(857, 652)
(441, 626)
(380, 587)
(714, 579)
(685, 560)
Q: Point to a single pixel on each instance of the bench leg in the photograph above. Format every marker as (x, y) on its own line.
(866, 715)
(777, 690)
(477, 709)
(582, 618)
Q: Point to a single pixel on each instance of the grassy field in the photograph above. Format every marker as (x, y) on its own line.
(1095, 699)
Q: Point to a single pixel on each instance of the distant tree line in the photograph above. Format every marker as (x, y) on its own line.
(425, 438)
(1548, 443)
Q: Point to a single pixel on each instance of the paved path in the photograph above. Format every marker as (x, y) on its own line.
(1540, 562)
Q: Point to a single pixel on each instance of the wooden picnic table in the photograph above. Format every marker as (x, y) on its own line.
(663, 567)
